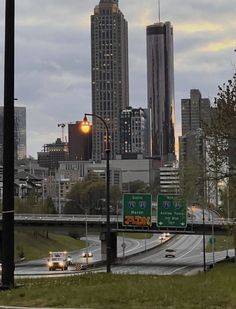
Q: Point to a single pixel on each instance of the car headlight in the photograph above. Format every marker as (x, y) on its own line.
(61, 264)
(50, 264)
(90, 254)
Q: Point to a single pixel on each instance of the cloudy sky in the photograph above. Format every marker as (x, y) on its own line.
(52, 68)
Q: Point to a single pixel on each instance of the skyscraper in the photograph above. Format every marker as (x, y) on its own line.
(110, 84)
(195, 112)
(19, 135)
(160, 84)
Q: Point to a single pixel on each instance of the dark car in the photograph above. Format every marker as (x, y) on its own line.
(170, 253)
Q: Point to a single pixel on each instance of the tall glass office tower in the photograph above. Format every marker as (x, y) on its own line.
(110, 83)
(20, 133)
(160, 83)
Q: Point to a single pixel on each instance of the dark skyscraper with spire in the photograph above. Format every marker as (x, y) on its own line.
(110, 83)
(160, 84)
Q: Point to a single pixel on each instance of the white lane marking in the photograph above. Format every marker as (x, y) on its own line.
(136, 247)
(189, 250)
(172, 272)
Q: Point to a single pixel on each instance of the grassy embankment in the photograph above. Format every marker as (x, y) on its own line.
(35, 245)
(221, 243)
(213, 290)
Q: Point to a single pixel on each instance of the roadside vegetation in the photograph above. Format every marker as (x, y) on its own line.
(211, 290)
(35, 244)
(221, 243)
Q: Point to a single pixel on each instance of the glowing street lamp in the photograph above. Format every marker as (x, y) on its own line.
(85, 127)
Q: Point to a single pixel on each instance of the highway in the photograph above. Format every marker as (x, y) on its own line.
(140, 256)
(132, 246)
(189, 257)
(188, 254)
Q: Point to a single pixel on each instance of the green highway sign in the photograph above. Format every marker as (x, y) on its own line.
(137, 209)
(171, 211)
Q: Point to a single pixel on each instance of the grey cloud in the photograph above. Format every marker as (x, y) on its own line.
(53, 56)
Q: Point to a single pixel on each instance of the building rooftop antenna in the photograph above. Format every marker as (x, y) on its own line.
(159, 10)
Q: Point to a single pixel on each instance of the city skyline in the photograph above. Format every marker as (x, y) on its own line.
(53, 56)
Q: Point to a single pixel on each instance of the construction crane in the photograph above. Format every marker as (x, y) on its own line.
(62, 125)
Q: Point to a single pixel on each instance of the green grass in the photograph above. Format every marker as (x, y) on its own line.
(36, 245)
(213, 290)
(221, 243)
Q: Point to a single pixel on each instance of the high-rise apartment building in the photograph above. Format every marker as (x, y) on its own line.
(110, 84)
(160, 89)
(19, 135)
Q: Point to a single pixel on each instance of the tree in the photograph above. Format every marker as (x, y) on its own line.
(84, 195)
(221, 132)
(192, 182)
(221, 138)
(137, 186)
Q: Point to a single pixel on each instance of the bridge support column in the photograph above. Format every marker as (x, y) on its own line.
(103, 239)
(0, 245)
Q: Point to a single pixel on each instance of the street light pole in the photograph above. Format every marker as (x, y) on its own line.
(228, 215)
(85, 127)
(204, 238)
(59, 191)
(86, 235)
(8, 153)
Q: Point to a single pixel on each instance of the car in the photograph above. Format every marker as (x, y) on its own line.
(57, 263)
(170, 253)
(87, 254)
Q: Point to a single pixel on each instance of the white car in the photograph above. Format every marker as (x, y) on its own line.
(57, 263)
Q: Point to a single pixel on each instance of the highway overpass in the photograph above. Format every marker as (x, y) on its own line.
(194, 226)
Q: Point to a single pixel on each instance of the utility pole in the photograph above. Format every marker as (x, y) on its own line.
(8, 153)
